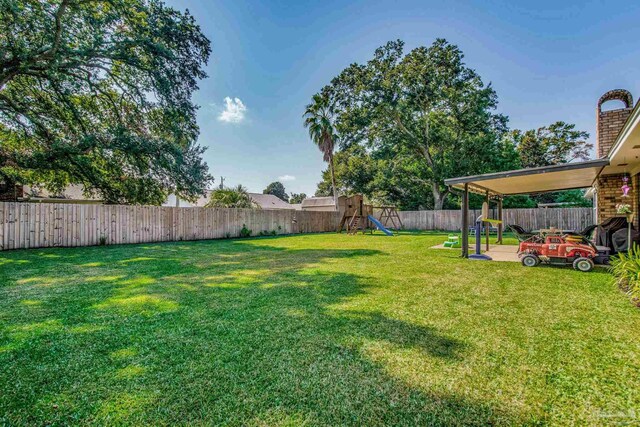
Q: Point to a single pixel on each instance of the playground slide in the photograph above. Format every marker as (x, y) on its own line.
(380, 226)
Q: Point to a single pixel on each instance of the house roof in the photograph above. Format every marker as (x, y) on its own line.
(314, 202)
(269, 201)
(73, 192)
(533, 180)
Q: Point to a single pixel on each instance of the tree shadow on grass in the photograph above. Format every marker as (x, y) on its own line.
(238, 333)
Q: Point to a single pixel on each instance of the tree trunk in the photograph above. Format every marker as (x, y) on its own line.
(333, 181)
(9, 189)
(439, 196)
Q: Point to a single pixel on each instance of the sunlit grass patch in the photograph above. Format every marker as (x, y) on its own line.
(92, 264)
(138, 304)
(123, 353)
(129, 372)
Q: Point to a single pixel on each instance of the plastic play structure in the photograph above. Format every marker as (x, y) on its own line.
(453, 241)
(488, 222)
(358, 216)
(379, 225)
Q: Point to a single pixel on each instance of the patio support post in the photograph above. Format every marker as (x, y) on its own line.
(465, 222)
(500, 225)
(487, 226)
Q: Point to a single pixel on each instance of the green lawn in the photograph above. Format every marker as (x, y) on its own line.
(318, 329)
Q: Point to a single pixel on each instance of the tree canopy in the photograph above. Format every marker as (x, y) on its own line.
(407, 122)
(297, 198)
(98, 93)
(277, 189)
(236, 197)
(550, 145)
(319, 119)
(425, 114)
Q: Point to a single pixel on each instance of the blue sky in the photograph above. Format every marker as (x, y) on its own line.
(547, 60)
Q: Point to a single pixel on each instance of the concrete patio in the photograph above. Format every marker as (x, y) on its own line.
(507, 253)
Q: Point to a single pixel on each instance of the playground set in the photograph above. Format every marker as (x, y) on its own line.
(358, 216)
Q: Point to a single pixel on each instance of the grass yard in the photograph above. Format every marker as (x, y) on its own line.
(319, 329)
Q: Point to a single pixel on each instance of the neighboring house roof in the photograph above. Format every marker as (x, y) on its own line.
(202, 200)
(269, 201)
(314, 202)
(199, 203)
(296, 206)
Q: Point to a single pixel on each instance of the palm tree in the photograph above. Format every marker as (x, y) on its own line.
(318, 118)
(237, 197)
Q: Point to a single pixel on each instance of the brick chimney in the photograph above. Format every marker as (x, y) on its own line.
(610, 123)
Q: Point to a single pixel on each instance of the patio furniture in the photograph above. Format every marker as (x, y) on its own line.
(606, 230)
(492, 230)
(588, 231)
(521, 233)
(620, 239)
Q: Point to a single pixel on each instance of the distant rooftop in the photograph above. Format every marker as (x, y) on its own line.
(314, 202)
(269, 201)
(73, 192)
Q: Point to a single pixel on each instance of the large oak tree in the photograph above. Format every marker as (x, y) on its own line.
(98, 93)
(426, 114)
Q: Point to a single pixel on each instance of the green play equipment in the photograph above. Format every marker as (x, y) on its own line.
(452, 242)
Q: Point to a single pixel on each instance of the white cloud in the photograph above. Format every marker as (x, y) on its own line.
(234, 111)
(286, 178)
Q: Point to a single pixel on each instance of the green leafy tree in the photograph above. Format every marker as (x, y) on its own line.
(555, 144)
(549, 145)
(426, 114)
(318, 119)
(277, 189)
(98, 93)
(297, 198)
(236, 197)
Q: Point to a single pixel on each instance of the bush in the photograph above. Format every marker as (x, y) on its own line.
(268, 233)
(625, 268)
(245, 232)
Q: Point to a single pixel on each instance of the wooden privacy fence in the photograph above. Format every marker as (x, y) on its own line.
(41, 225)
(529, 219)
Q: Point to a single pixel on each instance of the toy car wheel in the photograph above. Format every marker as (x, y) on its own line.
(530, 260)
(583, 264)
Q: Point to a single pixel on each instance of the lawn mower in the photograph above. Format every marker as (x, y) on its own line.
(558, 250)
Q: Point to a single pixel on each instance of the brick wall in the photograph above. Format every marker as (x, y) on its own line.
(610, 195)
(608, 126)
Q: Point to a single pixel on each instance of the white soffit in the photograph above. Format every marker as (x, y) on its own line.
(534, 180)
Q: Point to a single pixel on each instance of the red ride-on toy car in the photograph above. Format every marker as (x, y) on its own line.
(558, 250)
